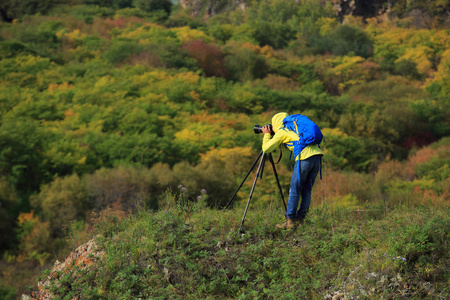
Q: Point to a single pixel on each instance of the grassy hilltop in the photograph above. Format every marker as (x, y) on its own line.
(196, 253)
(107, 106)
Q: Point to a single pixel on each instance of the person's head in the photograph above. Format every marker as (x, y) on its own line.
(277, 121)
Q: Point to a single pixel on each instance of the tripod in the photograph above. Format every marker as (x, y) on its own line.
(259, 173)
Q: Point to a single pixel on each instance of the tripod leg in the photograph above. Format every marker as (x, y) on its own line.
(278, 181)
(242, 183)
(261, 165)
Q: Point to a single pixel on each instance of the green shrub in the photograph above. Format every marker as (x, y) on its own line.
(154, 5)
(11, 48)
(406, 68)
(13, 9)
(273, 34)
(118, 51)
(244, 64)
(62, 200)
(344, 40)
(88, 13)
(8, 293)
(9, 202)
(21, 158)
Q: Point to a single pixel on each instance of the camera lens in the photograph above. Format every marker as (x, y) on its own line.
(257, 129)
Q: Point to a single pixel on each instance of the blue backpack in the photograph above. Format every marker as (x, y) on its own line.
(307, 131)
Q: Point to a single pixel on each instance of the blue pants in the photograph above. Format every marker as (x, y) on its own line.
(309, 169)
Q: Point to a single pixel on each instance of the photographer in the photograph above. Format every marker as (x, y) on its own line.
(310, 163)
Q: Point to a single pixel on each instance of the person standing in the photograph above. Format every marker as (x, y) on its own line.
(302, 180)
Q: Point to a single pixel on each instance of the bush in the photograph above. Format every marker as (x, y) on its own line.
(208, 56)
(244, 64)
(13, 48)
(344, 40)
(351, 153)
(8, 205)
(406, 68)
(154, 5)
(13, 9)
(62, 200)
(121, 50)
(8, 293)
(21, 158)
(273, 34)
(88, 13)
(125, 188)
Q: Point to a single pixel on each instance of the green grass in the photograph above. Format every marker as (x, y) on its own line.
(196, 253)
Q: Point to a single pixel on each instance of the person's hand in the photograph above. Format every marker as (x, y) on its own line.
(266, 129)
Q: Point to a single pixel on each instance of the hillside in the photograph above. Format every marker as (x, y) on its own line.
(197, 254)
(113, 105)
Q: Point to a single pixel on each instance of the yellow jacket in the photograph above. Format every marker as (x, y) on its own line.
(284, 136)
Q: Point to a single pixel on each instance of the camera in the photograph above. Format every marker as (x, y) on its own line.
(258, 129)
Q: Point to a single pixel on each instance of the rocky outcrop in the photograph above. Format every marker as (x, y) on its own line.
(83, 257)
(362, 8)
(211, 8)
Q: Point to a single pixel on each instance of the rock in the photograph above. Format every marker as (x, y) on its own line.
(82, 257)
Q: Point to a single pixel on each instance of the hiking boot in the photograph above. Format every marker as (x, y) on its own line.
(287, 225)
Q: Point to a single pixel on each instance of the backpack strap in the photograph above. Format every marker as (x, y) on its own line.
(321, 168)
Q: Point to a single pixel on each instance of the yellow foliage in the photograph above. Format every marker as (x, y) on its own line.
(266, 51)
(52, 87)
(149, 77)
(347, 201)
(347, 70)
(30, 60)
(73, 36)
(328, 24)
(226, 153)
(147, 31)
(346, 63)
(333, 131)
(188, 77)
(103, 82)
(420, 55)
(138, 33)
(353, 20)
(186, 34)
(234, 159)
(195, 134)
(443, 69)
(238, 121)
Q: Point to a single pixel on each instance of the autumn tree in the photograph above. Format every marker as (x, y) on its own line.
(208, 56)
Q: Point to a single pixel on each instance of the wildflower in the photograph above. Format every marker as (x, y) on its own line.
(404, 259)
(183, 189)
(165, 211)
(199, 198)
(203, 191)
(180, 186)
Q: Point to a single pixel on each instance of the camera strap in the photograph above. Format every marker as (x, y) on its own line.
(281, 155)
